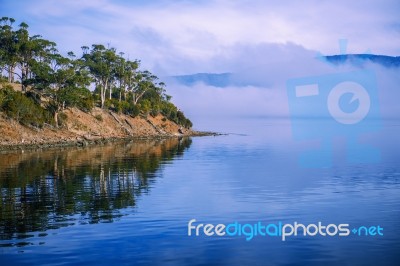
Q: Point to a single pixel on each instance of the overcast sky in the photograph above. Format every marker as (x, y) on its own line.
(180, 37)
(267, 42)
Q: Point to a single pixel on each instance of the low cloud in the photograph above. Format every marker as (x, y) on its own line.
(264, 43)
(178, 37)
(258, 83)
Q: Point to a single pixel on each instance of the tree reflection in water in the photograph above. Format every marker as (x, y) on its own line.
(54, 188)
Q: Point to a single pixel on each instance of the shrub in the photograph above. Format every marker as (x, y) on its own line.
(172, 113)
(23, 109)
(125, 107)
(113, 105)
(99, 118)
(6, 89)
(145, 106)
(76, 97)
(130, 108)
(108, 104)
(62, 119)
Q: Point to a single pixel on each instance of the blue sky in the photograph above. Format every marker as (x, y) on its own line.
(180, 37)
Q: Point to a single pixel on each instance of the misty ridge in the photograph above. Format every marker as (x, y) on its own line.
(230, 79)
(253, 80)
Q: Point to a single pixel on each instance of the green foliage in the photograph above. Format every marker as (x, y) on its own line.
(62, 119)
(76, 97)
(129, 108)
(4, 93)
(23, 109)
(124, 107)
(99, 118)
(64, 81)
(171, 112)
(182, 120)
(145, 106)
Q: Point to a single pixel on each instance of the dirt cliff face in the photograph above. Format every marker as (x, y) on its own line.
(81, 126)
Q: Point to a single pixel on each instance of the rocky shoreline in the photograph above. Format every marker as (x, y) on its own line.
(98, 127)
(85, 142)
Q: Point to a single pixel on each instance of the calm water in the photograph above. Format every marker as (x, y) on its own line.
(131, 203)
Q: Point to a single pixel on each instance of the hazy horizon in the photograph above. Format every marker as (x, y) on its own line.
(266, 43)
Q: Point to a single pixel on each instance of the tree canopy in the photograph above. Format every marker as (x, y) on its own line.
(117, 82)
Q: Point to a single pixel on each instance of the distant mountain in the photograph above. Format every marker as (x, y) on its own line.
(245, 78)
(360, 59)
(211, 79)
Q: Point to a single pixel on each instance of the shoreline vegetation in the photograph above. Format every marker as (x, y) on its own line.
(86, 129)
(47, 99)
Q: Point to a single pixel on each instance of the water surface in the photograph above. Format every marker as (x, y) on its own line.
(130, 203)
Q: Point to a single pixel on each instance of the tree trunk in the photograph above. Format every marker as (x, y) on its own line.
(102, 96)
(10, 74)
(138, 96)
(23, 77)
(103, 93)
(56, 118)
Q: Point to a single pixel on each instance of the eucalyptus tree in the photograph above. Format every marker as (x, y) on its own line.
(8, 47)
(19, 50)
(62, 80)
(125, 75)
(129, 76)
(101, 64)
(120, 73)
(26, 47)
(145, 81)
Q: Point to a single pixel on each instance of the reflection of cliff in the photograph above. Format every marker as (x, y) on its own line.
(53, 188)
